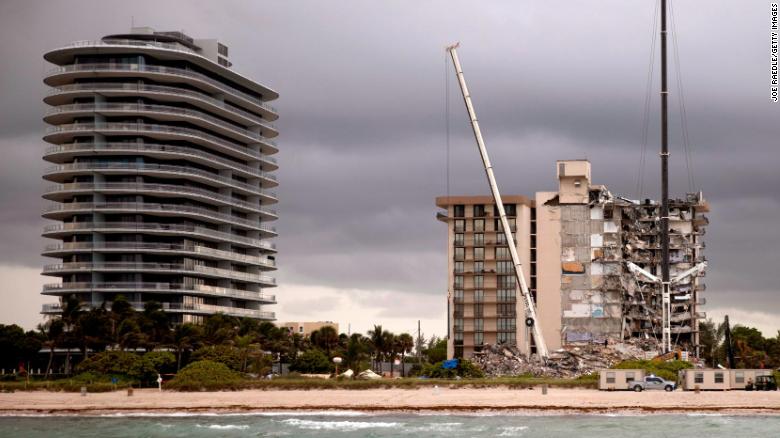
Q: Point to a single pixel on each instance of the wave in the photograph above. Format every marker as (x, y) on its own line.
(345, 426)
(223, 426)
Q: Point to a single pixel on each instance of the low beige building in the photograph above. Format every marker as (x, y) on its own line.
(573, 244)
(305, 328)
(619, 380)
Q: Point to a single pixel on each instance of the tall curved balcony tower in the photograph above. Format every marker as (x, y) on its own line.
(161, 175)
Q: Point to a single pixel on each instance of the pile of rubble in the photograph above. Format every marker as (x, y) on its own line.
(572, 361)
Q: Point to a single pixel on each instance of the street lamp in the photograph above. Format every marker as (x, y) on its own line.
(337, 361)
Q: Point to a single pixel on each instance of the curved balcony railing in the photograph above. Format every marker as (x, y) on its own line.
(163, 129)
(179, 308)
(151, 167)
(172, 71)
(179, 228)
(141, 108)
(179, 150)
(147, 207)
(162, 247)
(161, 89)
(198, 289)
(194, 192)
(157, 267)
(165, 247)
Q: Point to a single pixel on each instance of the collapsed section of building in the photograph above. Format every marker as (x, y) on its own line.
(574, 245)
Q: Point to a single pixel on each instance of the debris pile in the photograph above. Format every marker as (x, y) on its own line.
(572, 361)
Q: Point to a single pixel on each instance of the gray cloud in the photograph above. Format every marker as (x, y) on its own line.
(362, 144)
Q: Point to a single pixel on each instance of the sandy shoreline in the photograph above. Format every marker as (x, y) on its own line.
(462, 400)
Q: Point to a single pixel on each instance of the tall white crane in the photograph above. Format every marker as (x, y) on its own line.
(528, 299)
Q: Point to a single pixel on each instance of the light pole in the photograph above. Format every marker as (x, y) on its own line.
(337, 361)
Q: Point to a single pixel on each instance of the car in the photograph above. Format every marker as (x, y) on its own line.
(763, 383)
(653, 382)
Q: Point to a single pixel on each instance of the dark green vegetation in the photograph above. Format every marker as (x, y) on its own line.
(118, 347)
(107, 349)
(751, 348)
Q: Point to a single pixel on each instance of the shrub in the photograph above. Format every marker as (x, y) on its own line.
(225, 354)
(465, 369)
(162, 361)
(312, 361)
(121, 364)
(205, 374)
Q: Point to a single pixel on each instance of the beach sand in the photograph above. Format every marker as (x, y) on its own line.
(390, 400)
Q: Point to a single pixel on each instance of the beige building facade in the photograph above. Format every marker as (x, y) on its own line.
(305, 328)
(573, 244)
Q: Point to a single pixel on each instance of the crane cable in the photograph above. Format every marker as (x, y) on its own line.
(640, 180)
(687, 147)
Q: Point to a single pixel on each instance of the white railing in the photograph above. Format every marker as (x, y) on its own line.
(54, 288)
(151, 266)
(141, 206)
(135, 167)
(145, 88)
(182, 228)
(146, 108)
(154, 147)
(178, 308)
(164, 188)
(156, 246)
(165, 129)
(173, 71)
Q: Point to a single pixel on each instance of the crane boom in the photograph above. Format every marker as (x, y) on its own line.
(528, 300)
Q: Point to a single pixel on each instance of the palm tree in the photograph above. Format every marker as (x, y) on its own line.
(185, 337)
(405, 344)
(154, 323)
(390, 350)
(326, 338)
(377, 337)
(53, 331)
(245, 344)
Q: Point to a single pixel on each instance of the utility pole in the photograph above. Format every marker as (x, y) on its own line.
(419, 343)
(665, 286)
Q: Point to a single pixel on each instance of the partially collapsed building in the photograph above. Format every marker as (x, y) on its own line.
(574, 244)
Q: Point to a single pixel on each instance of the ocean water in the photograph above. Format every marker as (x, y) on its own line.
(355, 424)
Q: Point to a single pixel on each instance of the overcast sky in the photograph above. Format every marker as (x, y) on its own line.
(362, 144)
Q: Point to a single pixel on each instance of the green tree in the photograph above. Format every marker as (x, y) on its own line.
(155, 325)
(437, 350)
(405, 345)
(185, 338)
(377, 337)
(326, 338)
(52, 331)
(312, 361)
(225, 353)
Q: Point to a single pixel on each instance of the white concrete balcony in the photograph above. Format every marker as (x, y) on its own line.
(61, 289)
(65, 74)
(62, 172)
(61, 211)
(67, 152)
(184, 230)
(198, 309)
(66, 248)
(66, 133)
(60, 192)
(57, 115)
(166, 268)
(66, 93)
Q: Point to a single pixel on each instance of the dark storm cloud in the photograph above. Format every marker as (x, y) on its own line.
(362, 144)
